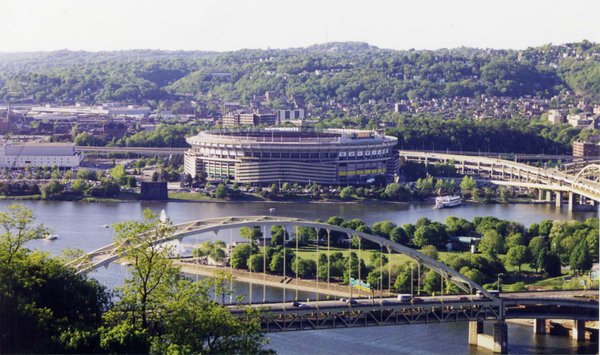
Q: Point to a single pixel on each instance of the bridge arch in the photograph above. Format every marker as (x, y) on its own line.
(107, 254)
(592, 170)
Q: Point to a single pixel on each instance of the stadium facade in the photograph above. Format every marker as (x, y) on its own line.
(262, 156)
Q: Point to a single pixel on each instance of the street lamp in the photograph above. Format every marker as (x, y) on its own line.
(498, 283)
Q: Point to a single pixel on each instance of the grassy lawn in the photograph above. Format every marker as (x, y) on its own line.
(196, 196)
(190, 196)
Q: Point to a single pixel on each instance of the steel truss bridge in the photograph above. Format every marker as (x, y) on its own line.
(335, 314)
(585, 183)
(476, 306)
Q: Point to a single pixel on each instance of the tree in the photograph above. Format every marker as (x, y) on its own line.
(402, 283)
(52, 189)
(305, 268)
(580, 259)
(551, 264)
(17, 229)
(240, 255)
(377, 259)
(256, 262)
(538, 247)
(279, 259)
(152, 272)
(492, 243)
(467, 185)
(431, 234)
(383, 228)
(432, 282)
(252, 234)
(197, 325)
(45, 307)
(517, 255)
(396, 192)
(431, 251)
(374, 278)
(398, 235)
(119, 174)
(347, 192)
(220, 191)
(161, 311)
(278, 235)
(515, 239)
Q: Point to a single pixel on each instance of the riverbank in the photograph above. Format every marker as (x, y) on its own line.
(287, 283)
(256, 198)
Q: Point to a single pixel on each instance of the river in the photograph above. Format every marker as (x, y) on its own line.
(84, 226)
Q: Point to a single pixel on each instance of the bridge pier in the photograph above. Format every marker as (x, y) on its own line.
(540, 194)
(558, 201)
(475, 328)
(500, 337)
(571, 202)
(497, 342)
(578, 331)
(539, 326)
(548, 195)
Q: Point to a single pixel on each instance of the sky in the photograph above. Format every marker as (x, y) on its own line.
(223, 25)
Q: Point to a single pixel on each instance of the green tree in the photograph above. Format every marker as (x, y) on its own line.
(17, 228)
(515, 239)
(431, 251)
(432, 282)
(383, 228)
(119, 174)
(256, 262)
(538, 247)
(580, 259)
(221, 191)
(347, 192)
(45, 307)
(197, 325)
(252, 234)
(152, 272)
(399, 235)
(240, 255)
(467, 185)
(278, 235)
(305, 268)
(492, 243)
(402, 283)
(551, 264)
(517, 255)
(431, 234)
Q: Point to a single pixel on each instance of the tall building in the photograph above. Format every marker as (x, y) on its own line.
(292, 154)
(585, 150)
(242, 118)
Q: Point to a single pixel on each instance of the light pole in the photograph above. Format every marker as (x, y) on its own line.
(498, 283)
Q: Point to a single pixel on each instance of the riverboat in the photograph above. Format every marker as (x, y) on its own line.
(51, 237)
(447, 201)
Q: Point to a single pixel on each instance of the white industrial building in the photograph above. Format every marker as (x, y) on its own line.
(20, 155)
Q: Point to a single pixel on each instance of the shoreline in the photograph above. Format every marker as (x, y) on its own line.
(291, 201)
(277, 281)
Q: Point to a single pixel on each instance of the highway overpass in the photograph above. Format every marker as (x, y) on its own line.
(584, 184)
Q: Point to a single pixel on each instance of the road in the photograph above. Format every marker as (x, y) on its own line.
(579, 296)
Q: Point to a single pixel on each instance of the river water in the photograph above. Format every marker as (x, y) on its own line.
(84, 226)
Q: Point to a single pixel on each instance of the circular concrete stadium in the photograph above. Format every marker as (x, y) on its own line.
(262, 156)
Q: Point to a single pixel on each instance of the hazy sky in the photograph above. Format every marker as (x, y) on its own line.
(29, 25)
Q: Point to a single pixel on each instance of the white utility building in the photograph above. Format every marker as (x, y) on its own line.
(20, 155)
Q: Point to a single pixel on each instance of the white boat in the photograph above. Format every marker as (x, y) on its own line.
(447, 201)
(272, 209)
(51, 237)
